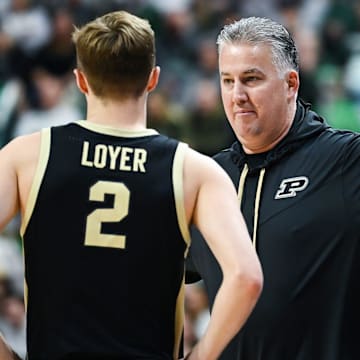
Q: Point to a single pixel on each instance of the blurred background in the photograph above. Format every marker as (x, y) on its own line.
(37, 89)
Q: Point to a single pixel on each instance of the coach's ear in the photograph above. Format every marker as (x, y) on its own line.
(293, 83)
(81, 81)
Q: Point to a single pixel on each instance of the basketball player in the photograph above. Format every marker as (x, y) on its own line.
(106, 206)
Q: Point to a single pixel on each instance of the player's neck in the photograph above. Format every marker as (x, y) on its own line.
(128, 114)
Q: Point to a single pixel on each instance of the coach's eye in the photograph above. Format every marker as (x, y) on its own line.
(227, 81)
(251, 78)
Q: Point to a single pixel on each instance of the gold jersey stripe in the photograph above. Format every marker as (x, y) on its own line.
(178, 176)
(107, 130)
(39, 174)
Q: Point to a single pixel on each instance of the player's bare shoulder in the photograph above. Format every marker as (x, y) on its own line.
(21, 156)
(204, 178)
(199, 168)
(27, 147)
(22, 148)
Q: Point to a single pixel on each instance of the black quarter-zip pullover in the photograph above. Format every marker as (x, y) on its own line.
(301, 203)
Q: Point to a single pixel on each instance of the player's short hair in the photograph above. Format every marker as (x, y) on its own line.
(116, 52)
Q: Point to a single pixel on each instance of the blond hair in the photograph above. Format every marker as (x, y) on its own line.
(116, 52)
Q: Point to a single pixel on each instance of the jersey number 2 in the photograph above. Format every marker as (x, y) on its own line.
(120, 209)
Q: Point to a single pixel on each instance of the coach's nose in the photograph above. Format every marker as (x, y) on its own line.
(239, 93)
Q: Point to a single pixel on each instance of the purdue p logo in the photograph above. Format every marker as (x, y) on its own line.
(289, 187)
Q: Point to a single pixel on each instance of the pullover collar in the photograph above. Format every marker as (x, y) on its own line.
(306, 124)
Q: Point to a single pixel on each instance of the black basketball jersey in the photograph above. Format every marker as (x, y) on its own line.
(105, 237)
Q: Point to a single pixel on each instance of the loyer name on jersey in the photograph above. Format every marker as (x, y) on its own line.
(113, 157)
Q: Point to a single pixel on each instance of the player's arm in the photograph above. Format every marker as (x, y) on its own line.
(5, 352)
(9, 204)
(218, 217)
(18, 160)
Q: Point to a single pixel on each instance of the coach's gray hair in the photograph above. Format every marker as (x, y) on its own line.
(257, 30)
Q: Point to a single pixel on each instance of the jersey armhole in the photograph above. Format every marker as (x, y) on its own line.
(38, 176)
(178, 184)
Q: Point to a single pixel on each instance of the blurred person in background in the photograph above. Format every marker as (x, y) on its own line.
(339, 20)
(205, 128)
(336, 103)
(190, 338)
(49, 106)
(307, 42)
(58, 53)
(197, 307)
(165, 116)
(6, 293)
(13, 323)
(5, 351)
(24, 27)
(11, 263)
